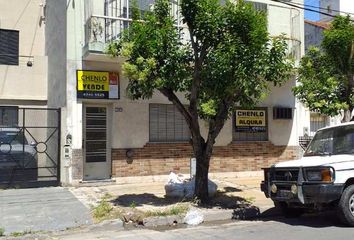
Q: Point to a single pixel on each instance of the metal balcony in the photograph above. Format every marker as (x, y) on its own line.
(99, 32)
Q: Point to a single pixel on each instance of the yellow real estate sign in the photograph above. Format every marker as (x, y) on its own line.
(97, 85)
(250, 120)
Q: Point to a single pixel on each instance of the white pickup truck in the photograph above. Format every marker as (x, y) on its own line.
(322, 178)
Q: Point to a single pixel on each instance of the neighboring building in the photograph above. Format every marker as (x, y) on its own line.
(107, 135)
(335, 7)
(29, 132)
(23, 63)
(314, 33)
(313, 38)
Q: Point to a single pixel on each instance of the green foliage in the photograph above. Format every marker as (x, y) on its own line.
(2, 232)
(229, 61)
(237, 55)
(326, 77)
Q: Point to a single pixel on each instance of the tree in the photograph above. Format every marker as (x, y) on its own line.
(326, 75)
(228, 62)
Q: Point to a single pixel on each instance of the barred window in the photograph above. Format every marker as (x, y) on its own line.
(250, 125)
(9, 47)
(8, 116)
(167, 124)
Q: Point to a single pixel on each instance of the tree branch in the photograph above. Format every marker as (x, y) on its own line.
(217, 124)
(175, 100)
(192, 120)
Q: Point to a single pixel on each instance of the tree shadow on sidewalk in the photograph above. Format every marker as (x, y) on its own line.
(223, 199)
(138, 200)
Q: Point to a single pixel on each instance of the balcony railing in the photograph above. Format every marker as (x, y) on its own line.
(101, 30)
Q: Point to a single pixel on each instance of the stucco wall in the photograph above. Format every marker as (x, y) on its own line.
(56, 51)
(134, 117)
(129, 127)
(22, 82)
(313, 36)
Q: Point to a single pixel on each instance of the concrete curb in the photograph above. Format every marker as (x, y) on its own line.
(114, 224)
(209, 215)
(163, 221)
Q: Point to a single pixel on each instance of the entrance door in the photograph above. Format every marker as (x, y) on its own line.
(97, 158)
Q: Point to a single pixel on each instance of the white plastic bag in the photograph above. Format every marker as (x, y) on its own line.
(176, 187)
(174, 178)
(193, 217)
(174, 190)
(190, 186)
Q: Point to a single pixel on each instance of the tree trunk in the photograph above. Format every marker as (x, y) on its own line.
(201, 177)
(347, 115)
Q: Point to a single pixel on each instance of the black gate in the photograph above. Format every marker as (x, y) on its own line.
(29, 147)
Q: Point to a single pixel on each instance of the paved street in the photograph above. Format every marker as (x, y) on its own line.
(319, 227)
(44, 209)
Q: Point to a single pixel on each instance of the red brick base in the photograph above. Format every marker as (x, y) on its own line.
(161, 158)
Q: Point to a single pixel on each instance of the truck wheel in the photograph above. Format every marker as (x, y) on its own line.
(288, 211)
(346, 206)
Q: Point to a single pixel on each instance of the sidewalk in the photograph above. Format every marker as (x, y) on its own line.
(41, 209)
(148, 193)
(53, 209)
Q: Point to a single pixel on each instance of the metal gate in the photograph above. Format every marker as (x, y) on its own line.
(29, 147)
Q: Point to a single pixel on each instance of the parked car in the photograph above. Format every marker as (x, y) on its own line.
(322, 178)
(18, 158)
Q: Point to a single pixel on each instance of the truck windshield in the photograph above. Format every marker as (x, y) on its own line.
(332, 141)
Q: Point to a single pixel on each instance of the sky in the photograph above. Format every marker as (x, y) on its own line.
(312, 16)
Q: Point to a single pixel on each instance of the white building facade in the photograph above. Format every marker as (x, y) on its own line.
(107, 135)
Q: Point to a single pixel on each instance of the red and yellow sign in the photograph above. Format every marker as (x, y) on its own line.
(97, 85)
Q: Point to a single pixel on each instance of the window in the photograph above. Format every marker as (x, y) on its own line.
(282, 113)
(258, 6)
(317, 121)
(250, 125)
(167, 124)
(9, 47)
(8, 116)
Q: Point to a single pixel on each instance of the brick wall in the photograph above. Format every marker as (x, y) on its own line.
(161, 158)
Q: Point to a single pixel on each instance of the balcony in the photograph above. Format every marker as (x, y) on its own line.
(99, 32)
(100, 29)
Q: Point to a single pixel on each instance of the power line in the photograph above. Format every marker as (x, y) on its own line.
(306, 8)
(333, 10)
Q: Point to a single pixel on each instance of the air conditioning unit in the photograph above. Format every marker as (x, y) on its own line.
(282, 113)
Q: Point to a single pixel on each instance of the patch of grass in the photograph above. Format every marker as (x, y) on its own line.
(250, 200)
(177, 209)
(107, 196)
(17, 234)
(104, 211)
(20, 234)
(132, 204)
(2, 232)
